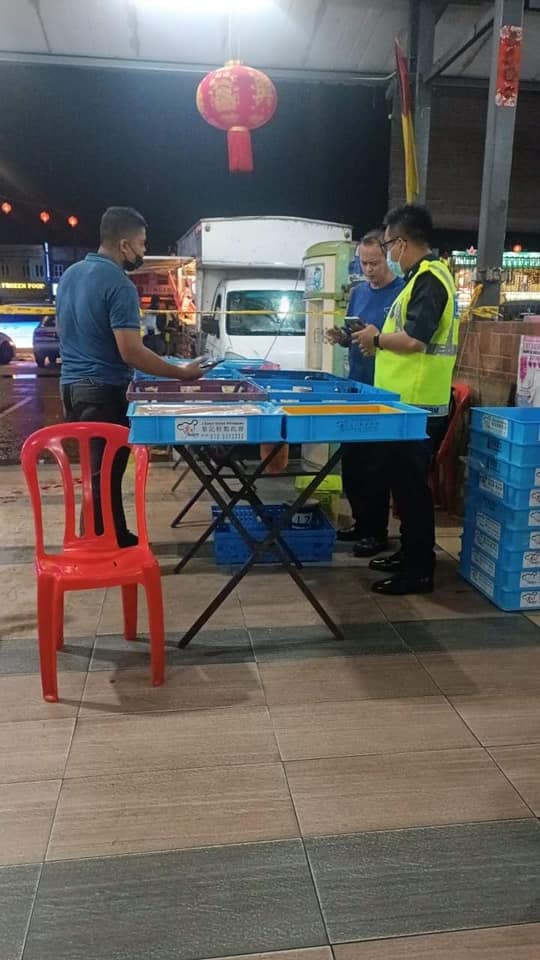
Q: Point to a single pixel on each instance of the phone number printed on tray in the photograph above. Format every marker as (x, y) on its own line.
(192, 429)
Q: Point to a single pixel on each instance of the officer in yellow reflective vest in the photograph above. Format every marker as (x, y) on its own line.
(415, 355)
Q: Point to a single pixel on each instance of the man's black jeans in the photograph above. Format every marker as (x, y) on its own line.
(88, 401)
(366, 488)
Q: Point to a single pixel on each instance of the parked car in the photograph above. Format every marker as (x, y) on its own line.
(45, 342)
(7, 349)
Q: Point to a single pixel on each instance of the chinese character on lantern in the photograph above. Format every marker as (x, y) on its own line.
(237, 99)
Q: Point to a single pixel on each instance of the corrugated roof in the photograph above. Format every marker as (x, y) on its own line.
(354, 36)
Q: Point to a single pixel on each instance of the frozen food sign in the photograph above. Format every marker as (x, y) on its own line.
(211, 429)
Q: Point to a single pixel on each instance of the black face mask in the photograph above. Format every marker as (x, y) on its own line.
(130, 265)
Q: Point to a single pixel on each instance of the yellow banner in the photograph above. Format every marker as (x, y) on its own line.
(16, 310)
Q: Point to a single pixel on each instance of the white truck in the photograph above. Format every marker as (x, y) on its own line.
(249, 287)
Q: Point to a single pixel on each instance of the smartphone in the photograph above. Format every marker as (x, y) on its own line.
(352, 324)
(206, 363)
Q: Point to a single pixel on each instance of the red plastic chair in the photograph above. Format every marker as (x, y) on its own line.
(445, 470)
(88, 560)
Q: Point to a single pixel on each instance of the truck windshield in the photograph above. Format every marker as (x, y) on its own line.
(282, 313)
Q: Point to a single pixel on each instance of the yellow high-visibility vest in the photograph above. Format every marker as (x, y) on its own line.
(422, 379)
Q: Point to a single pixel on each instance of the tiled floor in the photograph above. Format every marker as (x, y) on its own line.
(283, 796)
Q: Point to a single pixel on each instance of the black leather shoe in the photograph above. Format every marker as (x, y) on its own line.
(349, 535)
(392, 564)
(369, 547)
(401, 585)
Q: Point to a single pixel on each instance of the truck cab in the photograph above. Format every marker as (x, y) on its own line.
(263, 318)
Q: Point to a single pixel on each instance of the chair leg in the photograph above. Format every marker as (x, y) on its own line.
(60, 624)
(48, 599)
(129, 603)
(154, 603)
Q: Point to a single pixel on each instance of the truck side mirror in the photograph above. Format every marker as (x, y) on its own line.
(210, 324)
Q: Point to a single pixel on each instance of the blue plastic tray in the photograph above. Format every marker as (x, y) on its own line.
(517, 424)
(507, 580)
(309, 546)
(298, 376)
(507, 537)
(164, 423)
(503, 518)
(321, 422)
(285, 391)
(502, 598)
(518, 454)
(507, 559)
(518, 498)
(518, 476)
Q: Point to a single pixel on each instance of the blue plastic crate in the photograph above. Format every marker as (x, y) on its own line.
(518, 498)
(351, 391)
(504, 599)
(189, 423)
(518, 454)
(506, 558)
(322, 422)
(516, 424)
(504, 581)
(292, 377)
(518, 476)
(499, 520)
(314, 545)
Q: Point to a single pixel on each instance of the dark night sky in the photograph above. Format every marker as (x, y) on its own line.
(76, 140)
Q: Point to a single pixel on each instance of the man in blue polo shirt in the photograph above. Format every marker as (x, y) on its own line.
(98, 319)
(366, 492)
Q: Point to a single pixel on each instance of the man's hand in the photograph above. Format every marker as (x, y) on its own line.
(190, 371)
(364, 339)
(337, 335)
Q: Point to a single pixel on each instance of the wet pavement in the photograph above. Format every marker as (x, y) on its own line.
(29, 399)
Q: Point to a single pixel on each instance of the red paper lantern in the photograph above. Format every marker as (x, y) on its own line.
(517, 248)
(73, 221)
(238, 99)
(44, 216)
(6, 207)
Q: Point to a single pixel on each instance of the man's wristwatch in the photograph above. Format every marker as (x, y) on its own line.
(377, 341)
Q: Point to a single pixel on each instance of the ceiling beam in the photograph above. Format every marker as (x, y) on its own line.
(472, 35)
(194, 69)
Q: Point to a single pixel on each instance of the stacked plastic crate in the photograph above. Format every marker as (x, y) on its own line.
(501, 537)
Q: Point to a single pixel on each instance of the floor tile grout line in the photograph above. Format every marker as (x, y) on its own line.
(510, 781)
(31, 910)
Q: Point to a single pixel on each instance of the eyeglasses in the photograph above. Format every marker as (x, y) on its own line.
(386, 244)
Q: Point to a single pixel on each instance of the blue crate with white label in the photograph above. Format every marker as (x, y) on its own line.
(504, 519)
(202, 423)
(516, 424)
(518, 454)
(509, 600)
(512, 539)
(518, 498)
(507, 559)
(325, 422)
(518, 476)
(312, 545)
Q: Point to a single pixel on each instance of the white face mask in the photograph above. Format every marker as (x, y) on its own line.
(394, 265)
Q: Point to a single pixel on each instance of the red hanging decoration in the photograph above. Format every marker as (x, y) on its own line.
(6, 207)
(44, 216)
(238, 99)
(73, 222)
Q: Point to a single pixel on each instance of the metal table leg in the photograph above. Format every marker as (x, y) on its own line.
(258, 548)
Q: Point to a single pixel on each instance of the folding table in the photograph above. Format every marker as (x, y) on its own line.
(196, 429)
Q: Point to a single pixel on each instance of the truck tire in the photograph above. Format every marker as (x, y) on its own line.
(6, 353)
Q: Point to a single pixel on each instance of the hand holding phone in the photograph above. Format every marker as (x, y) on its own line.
(206, 362)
